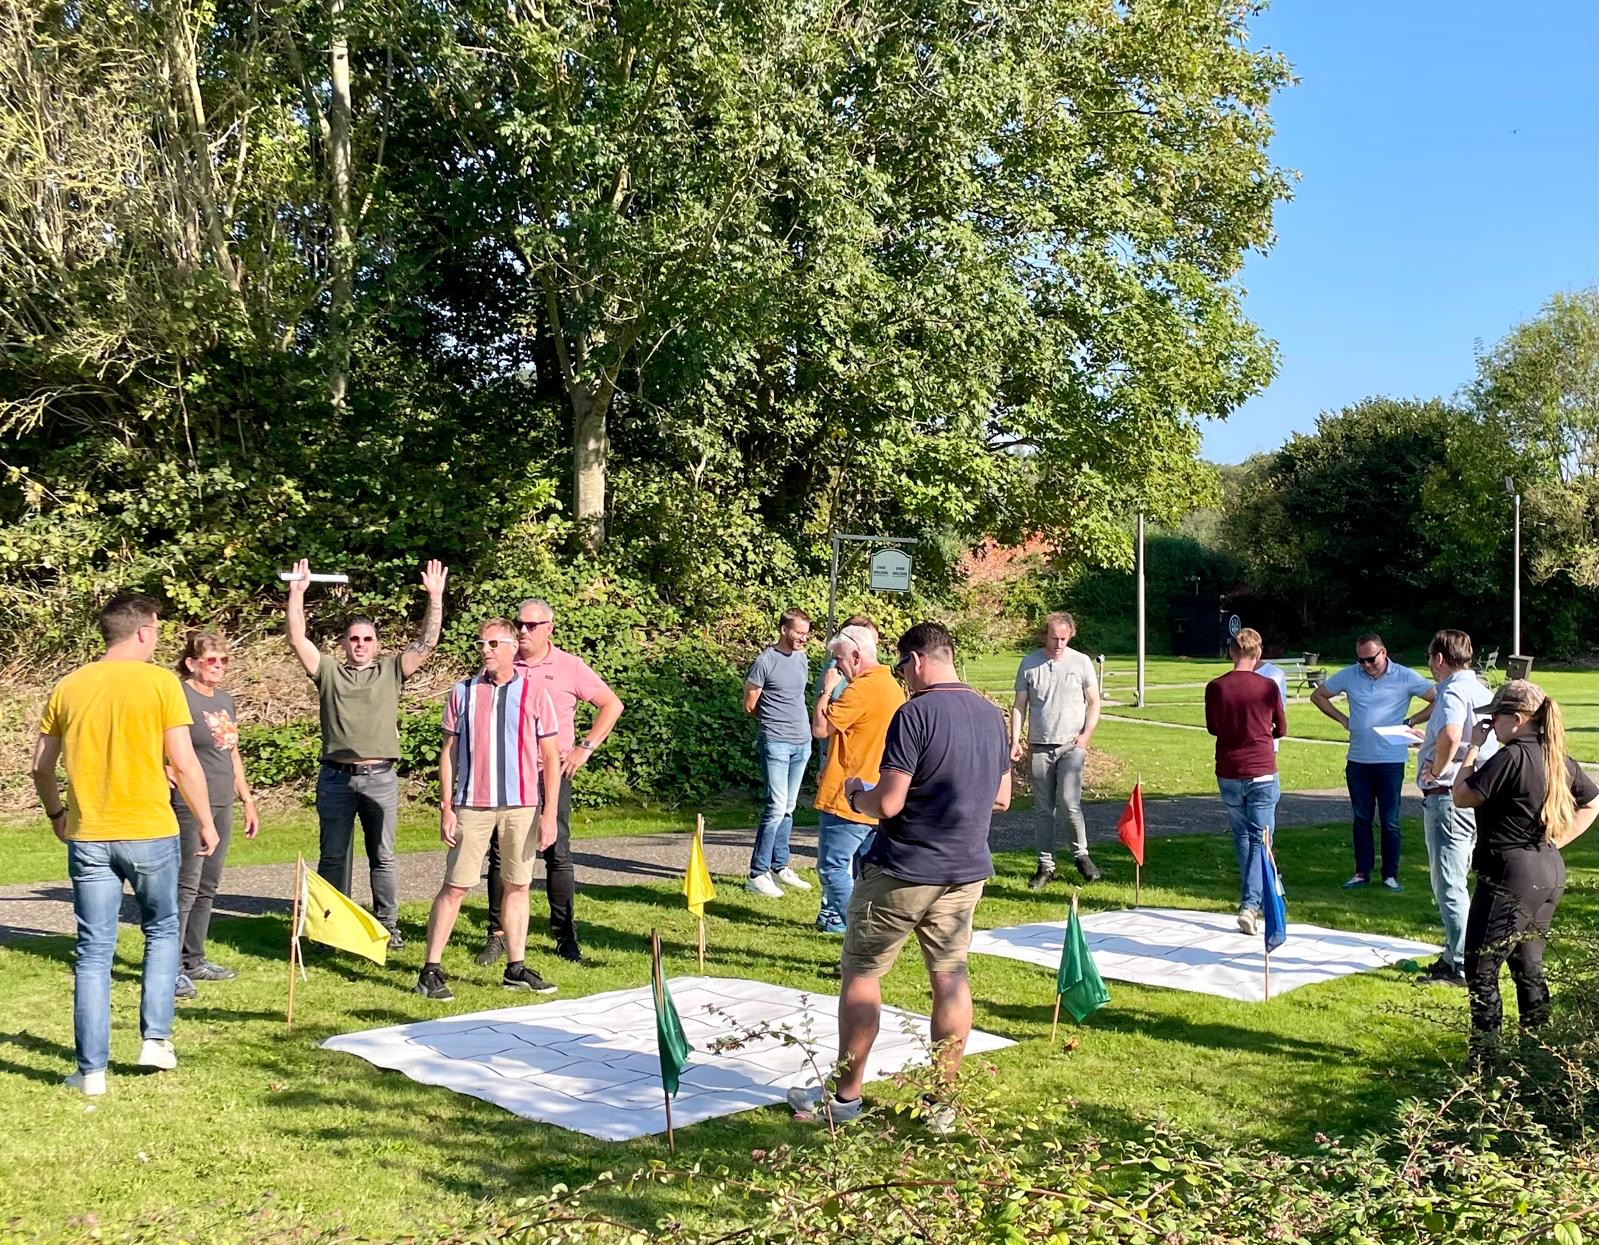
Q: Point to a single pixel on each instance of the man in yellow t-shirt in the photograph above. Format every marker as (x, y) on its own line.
(115, 722)
(855, 726)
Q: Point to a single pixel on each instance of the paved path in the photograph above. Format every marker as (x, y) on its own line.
(46, 907)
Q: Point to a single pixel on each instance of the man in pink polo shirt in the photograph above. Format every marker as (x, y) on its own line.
(569, 680)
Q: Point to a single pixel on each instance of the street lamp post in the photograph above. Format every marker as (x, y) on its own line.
(1515, 582)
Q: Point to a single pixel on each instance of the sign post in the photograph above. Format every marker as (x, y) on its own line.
(890, 570)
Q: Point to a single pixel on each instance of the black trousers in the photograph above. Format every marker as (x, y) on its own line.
(558, 878)
(1517, 892)
(198, 879)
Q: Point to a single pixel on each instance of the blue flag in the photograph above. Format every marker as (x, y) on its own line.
(1271, 890)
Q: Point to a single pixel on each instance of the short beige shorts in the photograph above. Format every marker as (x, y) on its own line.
(518, 830)
(884, 911)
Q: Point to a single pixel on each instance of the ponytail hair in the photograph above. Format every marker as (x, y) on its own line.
(1559, 806)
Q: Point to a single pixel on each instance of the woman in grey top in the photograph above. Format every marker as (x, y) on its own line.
(215, 732)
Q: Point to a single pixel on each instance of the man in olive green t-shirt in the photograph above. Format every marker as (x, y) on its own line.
(359, 700)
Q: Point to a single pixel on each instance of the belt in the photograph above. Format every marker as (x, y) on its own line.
(1436, 790)
(364, 767)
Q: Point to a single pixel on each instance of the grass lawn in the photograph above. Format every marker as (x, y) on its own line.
(255, 1116)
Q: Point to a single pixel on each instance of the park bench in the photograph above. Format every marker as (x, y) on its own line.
(1302, 672)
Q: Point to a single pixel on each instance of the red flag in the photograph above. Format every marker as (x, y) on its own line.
(1130, 825)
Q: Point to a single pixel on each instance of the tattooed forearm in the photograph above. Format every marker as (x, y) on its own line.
(432, 623)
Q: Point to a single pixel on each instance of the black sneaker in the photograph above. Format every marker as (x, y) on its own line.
(568, 950)
(430, 984)
(396, 939)
(1088, 868)
(524, 978)
(493, 950)
(1442, 973)
(1042, 877)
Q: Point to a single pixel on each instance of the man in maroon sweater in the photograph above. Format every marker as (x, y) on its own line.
(1245, 714)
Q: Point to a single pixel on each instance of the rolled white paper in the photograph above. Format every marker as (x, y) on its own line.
(314, 577)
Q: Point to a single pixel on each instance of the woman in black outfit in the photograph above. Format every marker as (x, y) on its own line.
(1531, 800)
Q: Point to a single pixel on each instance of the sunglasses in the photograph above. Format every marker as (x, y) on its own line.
(899, 666)
(492, 644)
(215, 661)
(1369, 661)
(522, 624)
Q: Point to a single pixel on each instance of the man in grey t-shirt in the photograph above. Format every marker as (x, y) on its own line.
(1057, 698)
(774, 694)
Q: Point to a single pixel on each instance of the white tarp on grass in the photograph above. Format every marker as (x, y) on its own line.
(590, 1064)
(1202, 951)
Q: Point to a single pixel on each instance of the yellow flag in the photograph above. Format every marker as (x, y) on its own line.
(327, 916)
(698, 888)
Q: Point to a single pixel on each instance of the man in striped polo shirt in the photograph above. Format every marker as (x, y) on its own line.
(499, 778)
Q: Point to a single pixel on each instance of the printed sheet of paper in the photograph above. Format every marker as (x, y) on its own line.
(1202, 951)
(590, 1064)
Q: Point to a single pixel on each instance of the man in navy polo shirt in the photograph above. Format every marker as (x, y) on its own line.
(945, 769)
(1378, 692)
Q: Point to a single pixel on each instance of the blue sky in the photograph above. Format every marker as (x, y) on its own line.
(1450, 184)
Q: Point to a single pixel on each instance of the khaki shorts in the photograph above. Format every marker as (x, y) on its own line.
(518, 831)
(884, 911)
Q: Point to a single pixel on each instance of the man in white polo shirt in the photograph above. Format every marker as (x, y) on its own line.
(1057, 700)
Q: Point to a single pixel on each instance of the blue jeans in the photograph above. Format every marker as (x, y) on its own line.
(783, 767)
(838, 843)
(1251, 812)
(1451, 837)
(1375, 784)
(98, 871)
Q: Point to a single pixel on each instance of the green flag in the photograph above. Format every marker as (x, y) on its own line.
(669, 1037)
(1078, 982)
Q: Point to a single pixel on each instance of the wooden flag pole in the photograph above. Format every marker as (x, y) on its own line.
(702, 942)
(1268, 977)
(1138, 882)
(294, 931)
(660, 1000)
(1054, 1024)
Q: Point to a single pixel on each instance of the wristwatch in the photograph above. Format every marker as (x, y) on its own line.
(587, 745)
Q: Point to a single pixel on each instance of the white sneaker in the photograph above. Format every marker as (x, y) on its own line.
(158, 1053)
(763, 885)
(788, 877)
(91, 1083)
(938, 1117)
(1247, 921)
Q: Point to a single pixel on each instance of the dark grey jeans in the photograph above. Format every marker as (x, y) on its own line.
(1058, 796)
(375, 799)
(198, 879)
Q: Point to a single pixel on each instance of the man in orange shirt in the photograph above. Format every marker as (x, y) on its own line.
(855, 726)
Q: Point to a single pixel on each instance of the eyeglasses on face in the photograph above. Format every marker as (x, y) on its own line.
(497, 642)
(215, 659)
(531, 624)
(899, 666)
(1368, 661)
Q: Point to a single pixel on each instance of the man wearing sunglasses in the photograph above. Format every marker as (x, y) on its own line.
(568, 680)
(499, 779)
(945, 770)
(359, 701)
(1378, 692)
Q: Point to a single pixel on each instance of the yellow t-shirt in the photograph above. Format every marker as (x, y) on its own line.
(860, 718)
(110, 717)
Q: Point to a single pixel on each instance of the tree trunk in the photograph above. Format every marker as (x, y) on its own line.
(342, 258)
(590, 447)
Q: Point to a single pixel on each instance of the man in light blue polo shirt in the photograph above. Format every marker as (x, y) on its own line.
(1378, 692)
